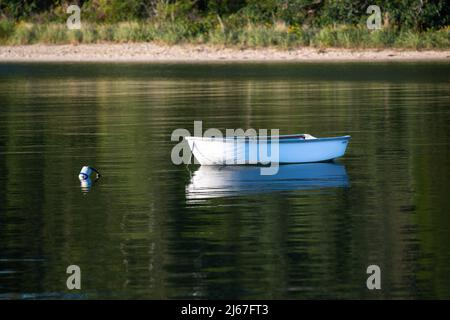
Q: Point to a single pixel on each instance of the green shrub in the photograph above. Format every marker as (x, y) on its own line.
(435, 39)
(326, 37)
(53, 33)
(75, 36)
(217, 31)
(90, 33)
(105, 32)
(384, 38)
(408, 39)
(6, 30)
(25, 33)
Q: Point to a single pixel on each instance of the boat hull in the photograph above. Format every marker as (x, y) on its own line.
(289, 149)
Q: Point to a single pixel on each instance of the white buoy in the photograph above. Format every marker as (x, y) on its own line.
(85, 173)
(85, 178)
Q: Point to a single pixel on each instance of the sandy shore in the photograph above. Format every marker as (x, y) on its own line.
(149, 52)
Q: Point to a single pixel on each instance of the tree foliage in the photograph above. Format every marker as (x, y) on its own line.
(402, 14)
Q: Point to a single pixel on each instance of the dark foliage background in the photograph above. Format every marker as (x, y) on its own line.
(411, 14)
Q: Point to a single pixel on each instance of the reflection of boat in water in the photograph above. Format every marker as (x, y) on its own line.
(213, 182)
(86, 185)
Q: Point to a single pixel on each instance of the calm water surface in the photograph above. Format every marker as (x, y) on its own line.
(151, 229)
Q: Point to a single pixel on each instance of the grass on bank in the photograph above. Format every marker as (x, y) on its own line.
(251, 35)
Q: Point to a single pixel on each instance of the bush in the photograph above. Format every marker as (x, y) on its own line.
(408, 39)
(214, 30)
(384, 38)
(6, 30)
(25, 33)
(435, 39)
(53, 33)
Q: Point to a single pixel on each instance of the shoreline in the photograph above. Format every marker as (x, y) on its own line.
(154, 53)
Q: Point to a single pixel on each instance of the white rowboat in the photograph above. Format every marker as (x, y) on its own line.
(300, 148)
